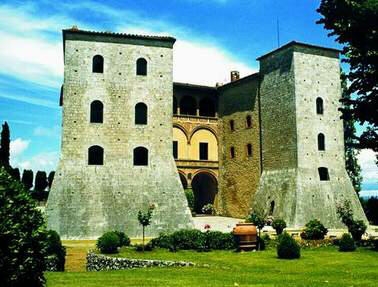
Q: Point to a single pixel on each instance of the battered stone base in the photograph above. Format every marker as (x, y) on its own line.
(299, 197)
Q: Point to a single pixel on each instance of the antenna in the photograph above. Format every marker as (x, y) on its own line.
(278, 32)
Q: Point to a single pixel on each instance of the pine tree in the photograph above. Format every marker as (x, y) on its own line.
(5, 146)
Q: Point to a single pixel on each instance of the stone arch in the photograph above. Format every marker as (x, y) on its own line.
(207, 107)
(202, 128)
(200, 136)
(188, 106)
(183, 180)
(205, 188)
(181, 137)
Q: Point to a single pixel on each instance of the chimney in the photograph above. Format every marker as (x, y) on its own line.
(235, 76)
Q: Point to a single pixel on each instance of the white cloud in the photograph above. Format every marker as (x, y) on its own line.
(52, 132)
(18, 146)
(45, 161)
(366, 159)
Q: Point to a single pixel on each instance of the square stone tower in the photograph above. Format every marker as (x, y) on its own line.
(116, 150)
(303, 163)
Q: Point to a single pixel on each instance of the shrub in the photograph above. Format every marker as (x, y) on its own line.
(257, 220)
(124, 240)
(190, 198)
(55, 248)
(142, 248)
(314, 230)
(346, 243)
(186, 239)
(217, 240)
(287, 247)
(357, 229)
(371, 210)
(164, 240)
(208, 209)
(22, 236)
(279, 225)
(108, 243)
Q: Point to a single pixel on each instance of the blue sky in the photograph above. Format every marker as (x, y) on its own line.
(214, 37)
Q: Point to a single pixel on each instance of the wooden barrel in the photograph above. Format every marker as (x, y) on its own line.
(246, 234)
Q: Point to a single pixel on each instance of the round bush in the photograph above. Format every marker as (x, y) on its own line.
(22, 236)
(287, 247)
(55, 248)
(314, 230)
(279, 225)
(346, 243)
(187, 239)
(124, 240)
(357, 228)
(108, 243)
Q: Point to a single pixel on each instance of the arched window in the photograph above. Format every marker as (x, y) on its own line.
(141, 67)
(323, 173)
(97, 110)
(141, 156)
(232, 125)
(140, 114)
(321, 142)
(207, 107)
(95, 155)
(188, 106)
(248, 121)
(98, 64)
(174, 106)
(232, 152)
(249, 150)
(319, 106)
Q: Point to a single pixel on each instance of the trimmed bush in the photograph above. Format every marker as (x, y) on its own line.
(187, 239)
(357, 229)
(216, 240)
(108, 243)
(346, 243)
(164, 240)
(22, 236)
(55, 248)
(279, 225)
(314, 230)
(287, 247)
(190, 198)
(124, 240)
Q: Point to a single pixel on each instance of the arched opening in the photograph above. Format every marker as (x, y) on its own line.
(205, 187)
(188, 106)
(174, 106)
(184, 182)
(271, 209)
(323, 173)
(248, 121)
(95, 155)
(232, 125)
(319, 106)
(97, 110)
(207, 107)
(232, 152)
(98, 64)
(321, 142)
(249, 150)
(140, 114)
(140, 156)
(141, 67)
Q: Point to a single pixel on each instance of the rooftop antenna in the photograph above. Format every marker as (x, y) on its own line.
(278, 33)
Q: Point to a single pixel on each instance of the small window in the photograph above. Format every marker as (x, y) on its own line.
(321, 142)
(248, 121)
(319, 106)
(98, 64)
(232, 125)
(141, 67)
(175, 149)
(323, 173)
(232, 152)
(140, 156)
(96, 114)
(140, 114)
(272, 205)
(249, 150)
(204, 153)
(95, 155)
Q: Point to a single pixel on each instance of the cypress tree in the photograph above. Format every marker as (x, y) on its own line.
(40, 185)
(27, 178)
(5, 146)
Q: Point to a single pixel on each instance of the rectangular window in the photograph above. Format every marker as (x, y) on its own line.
(323, 173)
(203, 151)
(175, 149)
(232, 125)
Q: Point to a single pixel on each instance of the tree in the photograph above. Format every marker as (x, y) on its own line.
(51, 178)
(350, 143)
(259, 221)
(27, 178)
(5, 146)
(22, 236)
(144, 219)
(15, 173)
(354, 23)
(40, 185)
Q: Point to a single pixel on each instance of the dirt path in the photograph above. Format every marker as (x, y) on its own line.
(76, 254)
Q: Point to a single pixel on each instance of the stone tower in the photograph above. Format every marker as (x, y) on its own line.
(303, 164)
(116, 153)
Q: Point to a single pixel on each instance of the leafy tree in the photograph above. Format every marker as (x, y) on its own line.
(371, 209)
(350, 143)
(40, 185)
(5, 146)
(354, 23)
(144, 219)
(22, 236)
(51, 178)
(27, 178)
(259, 221)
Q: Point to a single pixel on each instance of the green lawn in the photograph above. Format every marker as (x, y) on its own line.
(317, 267)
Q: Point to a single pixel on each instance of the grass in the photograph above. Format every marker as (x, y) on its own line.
(317, 267)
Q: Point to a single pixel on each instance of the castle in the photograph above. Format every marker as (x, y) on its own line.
(271, 142)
